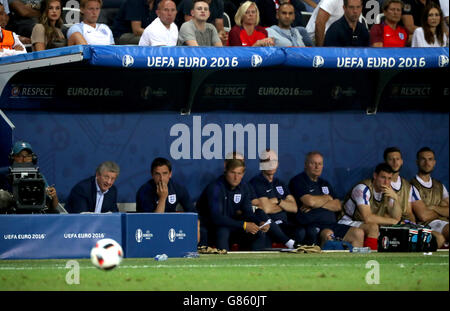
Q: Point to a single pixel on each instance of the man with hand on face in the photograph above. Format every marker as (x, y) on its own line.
(372, 202)
(96, 194)
(161, 194)
(401, 186)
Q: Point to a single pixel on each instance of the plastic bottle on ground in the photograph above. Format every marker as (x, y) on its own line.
(161, 257)
(361, 250)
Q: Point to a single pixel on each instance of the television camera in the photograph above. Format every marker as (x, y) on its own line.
(28, 193)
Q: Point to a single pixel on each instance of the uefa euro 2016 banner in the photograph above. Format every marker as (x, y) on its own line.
(73, 236)
(236, 57)
(248, 57)
(367, 58)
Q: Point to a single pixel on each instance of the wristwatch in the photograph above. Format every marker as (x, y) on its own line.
(279, 201)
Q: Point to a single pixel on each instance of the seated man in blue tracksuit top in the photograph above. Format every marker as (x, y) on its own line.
(161, 194)
(225, 209)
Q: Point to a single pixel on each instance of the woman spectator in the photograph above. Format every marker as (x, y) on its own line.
(247, 32)
(432, 33)
(47, 34)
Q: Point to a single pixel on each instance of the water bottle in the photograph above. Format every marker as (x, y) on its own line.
(191, 255)
(161, 257)
(361, 250)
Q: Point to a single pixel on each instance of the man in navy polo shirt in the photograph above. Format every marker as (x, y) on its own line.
(319, 204)
(348, 31)
(225, 209)
(275, 199)
(160, 194)
(132, 19)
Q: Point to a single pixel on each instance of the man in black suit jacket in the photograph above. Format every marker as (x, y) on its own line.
(96, 194)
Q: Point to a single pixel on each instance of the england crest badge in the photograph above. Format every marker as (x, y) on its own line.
(172, 198)
(280, 190)
(325, 190)
(237, 198)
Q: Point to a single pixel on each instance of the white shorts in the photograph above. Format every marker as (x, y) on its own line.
(350, 222)
(437, 225)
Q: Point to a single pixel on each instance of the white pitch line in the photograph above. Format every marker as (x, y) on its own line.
(158, 266)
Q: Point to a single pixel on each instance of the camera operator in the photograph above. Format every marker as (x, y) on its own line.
(21, 155)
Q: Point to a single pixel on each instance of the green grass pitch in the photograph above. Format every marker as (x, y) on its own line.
(270, 271)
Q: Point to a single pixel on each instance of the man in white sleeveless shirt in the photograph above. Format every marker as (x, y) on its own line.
(431, 204)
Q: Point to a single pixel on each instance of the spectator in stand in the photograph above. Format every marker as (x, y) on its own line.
(9, 41)
(25, 14)
(89, 31)
(47, 34)
(310, 5)
(5, 6)
(197, 32)
(444, 8)
(283, 33)
(247, 31)
(389, 33)
(432, 201)
(162, 31)
(96, 194)
(131, 20)
(432, 33)
(348, 31)
(216, 9)
(230, 8)
(268, 11)
(325, 14)
(412, 13)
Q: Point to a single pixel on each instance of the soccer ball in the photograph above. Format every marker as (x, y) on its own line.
(106, 254)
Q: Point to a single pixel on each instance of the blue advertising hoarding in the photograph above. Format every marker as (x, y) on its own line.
(246, 57)
(55, 236)
(73, 236)
(148, 235)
